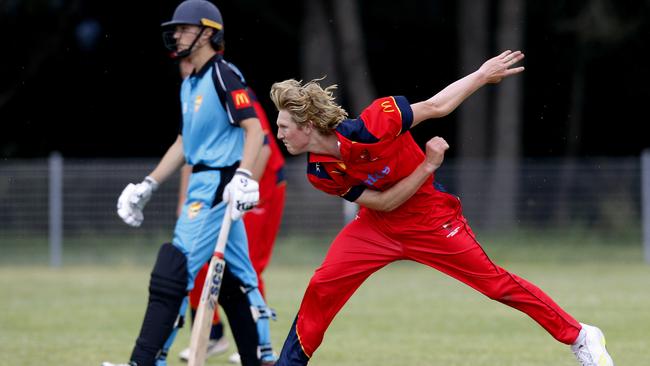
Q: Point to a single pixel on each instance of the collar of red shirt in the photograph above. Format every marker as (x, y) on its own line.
(344, 148)
(318, 158)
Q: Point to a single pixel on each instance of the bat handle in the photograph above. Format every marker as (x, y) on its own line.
(223, 233)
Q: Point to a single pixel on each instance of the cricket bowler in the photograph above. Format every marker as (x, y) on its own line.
(405, 215)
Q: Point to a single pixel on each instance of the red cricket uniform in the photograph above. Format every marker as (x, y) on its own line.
(262, 223)
(377, 151)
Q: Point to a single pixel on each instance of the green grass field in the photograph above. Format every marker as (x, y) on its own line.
(90, 310)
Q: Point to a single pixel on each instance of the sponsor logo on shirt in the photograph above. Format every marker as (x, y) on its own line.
(373, 178)
(387, 106)
(241, 99)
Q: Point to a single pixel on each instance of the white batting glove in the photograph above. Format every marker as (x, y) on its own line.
(244, 191)
(131, 216)
(133, 199)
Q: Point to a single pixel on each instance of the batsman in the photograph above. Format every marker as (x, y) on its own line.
(221, 137)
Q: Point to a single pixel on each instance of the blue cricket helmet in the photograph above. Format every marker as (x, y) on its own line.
(201, 13)
(197, 12)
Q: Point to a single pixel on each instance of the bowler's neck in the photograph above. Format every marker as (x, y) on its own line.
(326, 145)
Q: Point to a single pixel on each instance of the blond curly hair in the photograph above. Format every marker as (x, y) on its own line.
(309, 102)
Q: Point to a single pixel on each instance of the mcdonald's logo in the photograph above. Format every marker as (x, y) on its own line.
(387, 106)
(241, 98)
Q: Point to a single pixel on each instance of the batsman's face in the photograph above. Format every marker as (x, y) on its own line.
(184, 35)
(294, 138)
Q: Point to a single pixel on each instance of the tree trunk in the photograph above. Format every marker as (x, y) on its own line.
(504, 187)
(354, 65)
(358, 86)
(570, 165)
(317, 44)
(473, 123)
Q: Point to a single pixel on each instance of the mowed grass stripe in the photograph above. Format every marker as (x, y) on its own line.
(406, 314)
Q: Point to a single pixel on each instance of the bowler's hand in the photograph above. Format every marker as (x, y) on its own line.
(499, 67)
(435, 149)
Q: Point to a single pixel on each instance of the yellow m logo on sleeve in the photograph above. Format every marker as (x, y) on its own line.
(387, 106)
(241, 98)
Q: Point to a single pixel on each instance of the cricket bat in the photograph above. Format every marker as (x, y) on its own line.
(204, 313)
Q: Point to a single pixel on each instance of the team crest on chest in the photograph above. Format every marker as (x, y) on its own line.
(197, 103)
(365, 155)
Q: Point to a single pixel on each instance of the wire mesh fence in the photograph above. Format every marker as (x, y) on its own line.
(601, 194)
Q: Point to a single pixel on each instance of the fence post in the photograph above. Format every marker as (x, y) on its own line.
(56, 208)
(645, 202)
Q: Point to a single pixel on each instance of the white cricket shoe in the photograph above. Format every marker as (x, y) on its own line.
(119, 364)
(215, 347)
(235, 358)
(590, 349)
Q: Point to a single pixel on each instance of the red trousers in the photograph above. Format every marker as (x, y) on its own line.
(262, 225)
(368, 244)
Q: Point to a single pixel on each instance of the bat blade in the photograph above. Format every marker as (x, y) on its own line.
(205, 312)
(209, 295)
